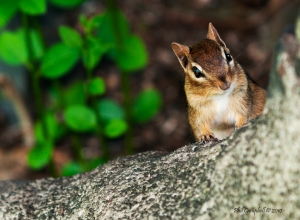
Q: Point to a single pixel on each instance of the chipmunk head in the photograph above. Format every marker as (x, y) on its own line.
(209, 67)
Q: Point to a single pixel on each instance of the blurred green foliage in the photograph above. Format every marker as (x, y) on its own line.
(83, 108)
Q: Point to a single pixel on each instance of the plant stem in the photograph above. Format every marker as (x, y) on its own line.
(125, 82)
(99, 131)
(76, 143)
(77, 147)
(60, 98)
(34, 73)
(89, 74)
(37, 92)
(51, 168)
(103, 143)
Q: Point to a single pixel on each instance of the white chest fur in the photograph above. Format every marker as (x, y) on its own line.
(223, 115)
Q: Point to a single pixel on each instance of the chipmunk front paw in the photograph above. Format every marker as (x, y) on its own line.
(240, 122)
(205, 138)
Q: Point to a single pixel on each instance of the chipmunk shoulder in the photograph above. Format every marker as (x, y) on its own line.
(221, 96)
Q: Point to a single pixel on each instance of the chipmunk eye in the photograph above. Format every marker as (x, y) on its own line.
(197, 72)
(228, 57)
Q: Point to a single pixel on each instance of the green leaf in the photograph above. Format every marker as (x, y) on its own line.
(40, 155)
(70, 36)
(75, 94)
(106, 30)
(109, 109)
(133, 55)
(13, 49)
(146, 105)
(66, 3)
(8, 9)
(128, 50)
(13, 46)
(93, 52)
(33, 7)
(80, 118)
(95, 22)
(72, 168)
(96, 86)
(90, 24)
(53, 129)
(83, 20)
(58, 60)
(37, 44)
(115, 128)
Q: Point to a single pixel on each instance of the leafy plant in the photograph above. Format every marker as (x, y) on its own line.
(82, 105)
(146, 105)
(80, 118)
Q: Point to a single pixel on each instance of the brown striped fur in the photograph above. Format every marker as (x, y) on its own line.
(224, 97)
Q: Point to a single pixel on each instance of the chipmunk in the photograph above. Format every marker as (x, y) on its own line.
(221, 96)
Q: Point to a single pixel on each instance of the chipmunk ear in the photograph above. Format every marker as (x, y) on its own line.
(182, 52)
(212, 34)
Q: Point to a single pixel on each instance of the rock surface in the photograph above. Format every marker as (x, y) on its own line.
(253, 174)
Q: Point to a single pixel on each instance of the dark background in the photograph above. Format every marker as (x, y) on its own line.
(250, 30)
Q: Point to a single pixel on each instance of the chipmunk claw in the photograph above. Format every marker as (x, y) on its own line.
(206, 138)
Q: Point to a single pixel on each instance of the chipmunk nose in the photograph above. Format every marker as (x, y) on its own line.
(225, 85)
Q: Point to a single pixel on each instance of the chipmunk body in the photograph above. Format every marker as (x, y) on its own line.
(221, 96)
